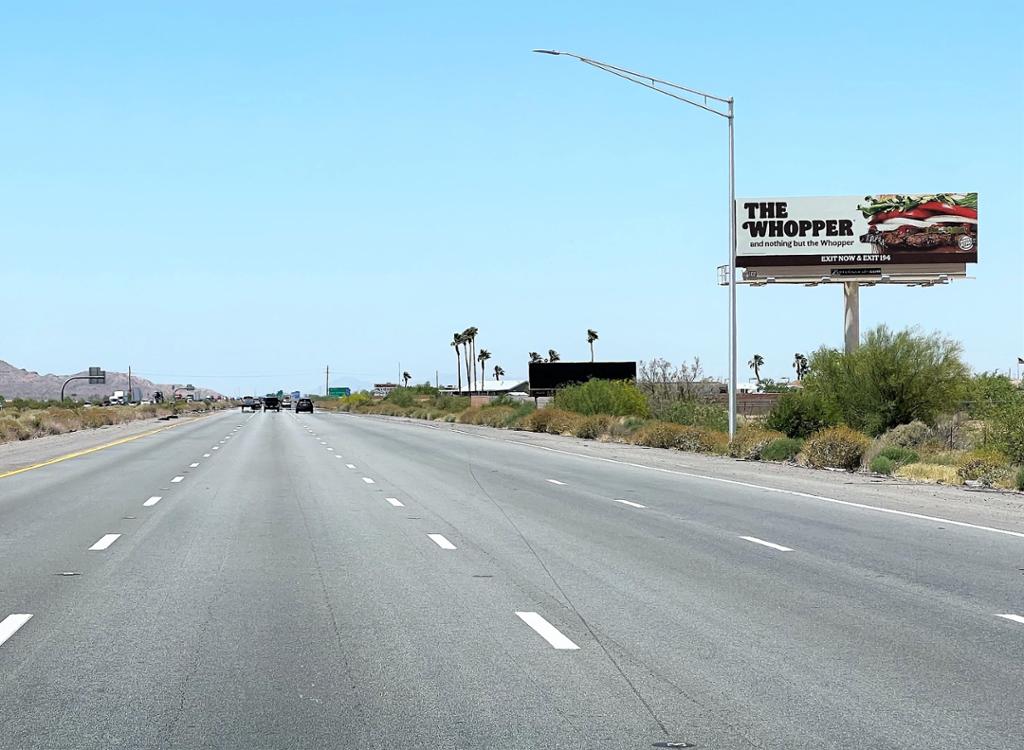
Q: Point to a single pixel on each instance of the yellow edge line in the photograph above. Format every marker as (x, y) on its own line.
(87, 451)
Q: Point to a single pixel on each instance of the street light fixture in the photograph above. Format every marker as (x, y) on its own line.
(713, 104)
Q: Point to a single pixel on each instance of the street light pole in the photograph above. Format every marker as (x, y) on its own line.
(712, 104)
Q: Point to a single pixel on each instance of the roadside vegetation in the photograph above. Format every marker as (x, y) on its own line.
(23, 419)
(903, 405)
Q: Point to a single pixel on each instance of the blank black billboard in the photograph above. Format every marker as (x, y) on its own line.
(547, 376)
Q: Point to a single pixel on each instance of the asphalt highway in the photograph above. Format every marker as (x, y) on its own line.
(333, 581)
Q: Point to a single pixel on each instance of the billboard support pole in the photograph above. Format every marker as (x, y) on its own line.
(851, 316)
(732, 279)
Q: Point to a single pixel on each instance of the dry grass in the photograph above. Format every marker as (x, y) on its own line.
(931, 473)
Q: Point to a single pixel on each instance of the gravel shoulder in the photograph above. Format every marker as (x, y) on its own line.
(997, 508)
(18, 454)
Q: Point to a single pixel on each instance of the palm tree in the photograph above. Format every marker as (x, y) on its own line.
(534, 357)
(755, 364)
(800, 365)
(498, 372)
(553, 356)
(482, 358)
(470, 334)
(591, 338)
(456, 343)
(406, 377)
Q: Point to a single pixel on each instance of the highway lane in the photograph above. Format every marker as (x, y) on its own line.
(442, 592)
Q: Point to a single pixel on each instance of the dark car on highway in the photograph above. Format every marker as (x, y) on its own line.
(303, 404)
(271, 403)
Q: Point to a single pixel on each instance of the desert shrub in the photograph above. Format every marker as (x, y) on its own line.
(928, 472)
(617, 398)
(470, 415)
(563, 422)
(893, 378)
(696, 413)
(702, 440)
(836, 448)
(592, 427)
(537, 420)
(751, 440)
(782, 449)
(12, 429)
(984, 466)
(1018, 481)
(1007, 428)
(911, 435)
(799, 414)
(622, 428)
(402, 397)
(657, 434)
(900, 455)
(882, 465)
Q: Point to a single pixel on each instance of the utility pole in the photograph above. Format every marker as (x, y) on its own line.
(129, 399)
(437, 380)
(327, 381)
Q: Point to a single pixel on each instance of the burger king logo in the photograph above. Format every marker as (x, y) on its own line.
(966, 242)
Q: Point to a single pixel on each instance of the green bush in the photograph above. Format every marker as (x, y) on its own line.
(617, 398)
(1019, 480)
(883, 465)
(899, 455)
(836, 448)
(697, 414)
(751, 440)
(799, 414)
(1008, 428)
(892, 379)
(782, 449)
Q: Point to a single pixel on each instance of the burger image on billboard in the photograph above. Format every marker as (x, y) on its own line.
(945, 222)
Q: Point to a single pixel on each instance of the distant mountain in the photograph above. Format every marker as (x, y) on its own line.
(18, 383)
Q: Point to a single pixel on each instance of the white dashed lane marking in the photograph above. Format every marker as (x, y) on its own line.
(395, 501)
(177, 479)
(763, 543)
(547, 631)
(11, 625)
(206, 455)
(351, 466)
(630, 503)
(104, 541)
(441, 541)
(153, 500)
(368, 480)
(192, 466)
(555, 481)
(1013, 618)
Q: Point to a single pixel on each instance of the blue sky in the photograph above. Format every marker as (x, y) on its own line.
(238, 194)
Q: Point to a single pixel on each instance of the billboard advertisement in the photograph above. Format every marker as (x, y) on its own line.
(548, 376)
(880, 230)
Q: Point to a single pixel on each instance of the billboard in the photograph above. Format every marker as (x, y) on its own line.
(548, 376)
(879, 230)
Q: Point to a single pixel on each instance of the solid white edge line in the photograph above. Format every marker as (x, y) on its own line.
(555, 481)
(177, 479)
(630, 503)
(368, 480)
(441, 541)
(755, 540)
(395, 501)
(1015, 618)
(104, 541)
(11, 625)
(153, 500)
(547, 631)
(795, 493)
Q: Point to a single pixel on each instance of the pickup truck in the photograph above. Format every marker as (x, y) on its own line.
(248, 402)
(271, 403)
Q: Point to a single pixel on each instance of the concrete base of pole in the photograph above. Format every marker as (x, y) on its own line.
(851, 318)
